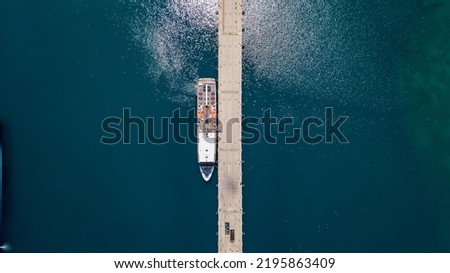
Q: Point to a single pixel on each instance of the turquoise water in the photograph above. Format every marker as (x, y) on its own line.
(67, 66)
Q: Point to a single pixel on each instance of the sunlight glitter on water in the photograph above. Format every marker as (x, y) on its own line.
(175, 39)
(304, 48)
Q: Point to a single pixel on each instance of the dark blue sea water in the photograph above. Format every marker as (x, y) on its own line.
(65, 66)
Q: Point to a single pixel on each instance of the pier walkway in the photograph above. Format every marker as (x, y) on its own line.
(230, 116)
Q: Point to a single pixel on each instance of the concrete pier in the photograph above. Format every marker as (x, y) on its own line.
(230, 116)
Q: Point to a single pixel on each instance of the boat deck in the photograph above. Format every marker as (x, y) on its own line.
(206, 108)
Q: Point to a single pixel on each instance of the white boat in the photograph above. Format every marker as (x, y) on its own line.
(206, 126)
